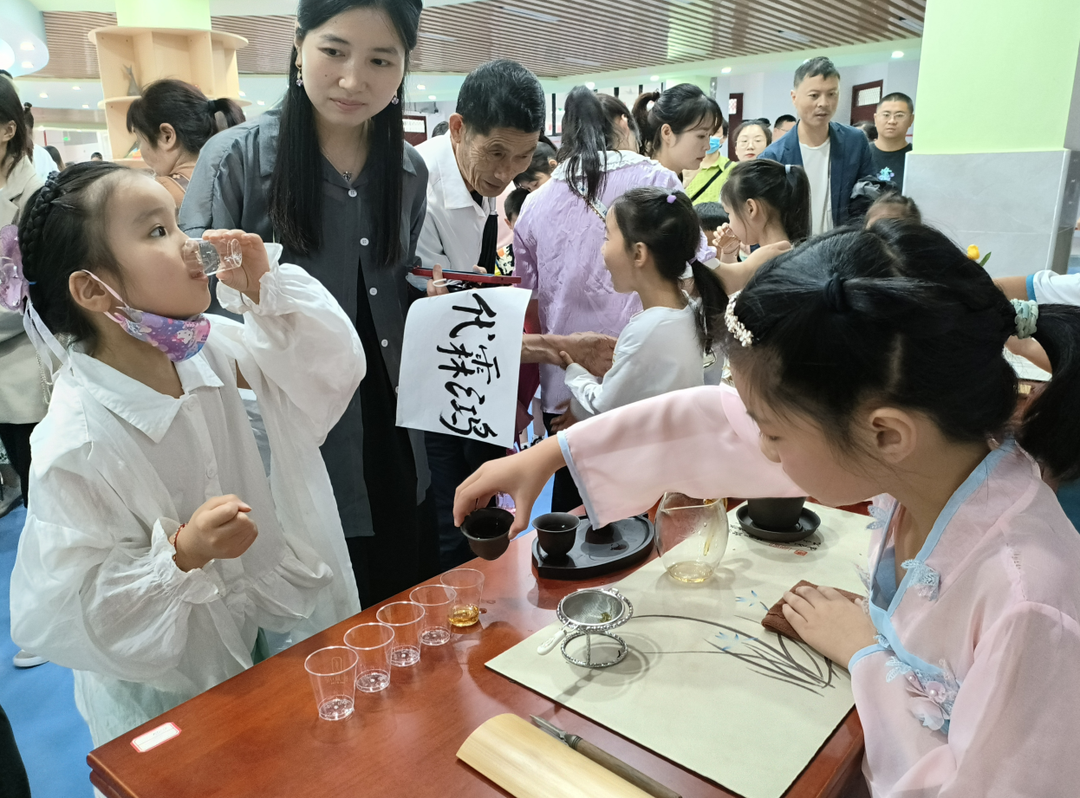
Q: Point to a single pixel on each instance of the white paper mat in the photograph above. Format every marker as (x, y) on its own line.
(750, 717)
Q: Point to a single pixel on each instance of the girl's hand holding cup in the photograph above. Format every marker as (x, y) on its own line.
(727, 242)
(253, 262)
(219, 530)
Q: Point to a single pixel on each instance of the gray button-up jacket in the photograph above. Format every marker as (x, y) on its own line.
(230, 189)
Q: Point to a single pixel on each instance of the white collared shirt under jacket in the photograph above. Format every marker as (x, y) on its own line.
(118, 467)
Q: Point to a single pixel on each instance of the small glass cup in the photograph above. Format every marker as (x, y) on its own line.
(406, 618)
(333, 678)
(691, 535)
(210, 258)
(372, 643)
(468, 585)
(436, 600)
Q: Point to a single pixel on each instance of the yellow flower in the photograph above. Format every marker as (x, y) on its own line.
(973, 252)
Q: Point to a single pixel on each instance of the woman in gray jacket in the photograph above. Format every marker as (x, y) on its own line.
(330, 177)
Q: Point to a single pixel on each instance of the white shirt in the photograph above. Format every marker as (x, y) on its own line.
(453, 231)
(1050, 288)
(658, 351)
(117, 468)
(44, 165)
(817, 166)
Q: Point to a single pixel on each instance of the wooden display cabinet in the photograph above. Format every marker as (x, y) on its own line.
(203, 58)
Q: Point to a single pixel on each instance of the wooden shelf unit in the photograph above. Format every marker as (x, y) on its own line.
(203, 58)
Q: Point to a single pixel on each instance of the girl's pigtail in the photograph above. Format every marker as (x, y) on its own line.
(714, 300)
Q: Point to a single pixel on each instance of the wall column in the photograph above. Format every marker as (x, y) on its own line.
(997, 132)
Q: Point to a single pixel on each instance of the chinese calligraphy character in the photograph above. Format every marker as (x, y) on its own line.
(473, 425)
(482, 309)
(483, 364)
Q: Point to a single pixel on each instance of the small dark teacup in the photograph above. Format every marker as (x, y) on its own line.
(776, 515)
(556, 533)
(488, 531)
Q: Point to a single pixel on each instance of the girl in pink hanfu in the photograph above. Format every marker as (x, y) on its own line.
(869, 362)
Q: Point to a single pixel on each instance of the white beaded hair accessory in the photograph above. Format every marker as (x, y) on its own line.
(736, 327)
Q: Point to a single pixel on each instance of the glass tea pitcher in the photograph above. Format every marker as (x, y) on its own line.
(691, 536)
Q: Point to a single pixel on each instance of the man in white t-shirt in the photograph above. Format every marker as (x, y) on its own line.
(834, 156)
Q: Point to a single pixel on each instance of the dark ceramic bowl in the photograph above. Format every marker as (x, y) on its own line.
(556, 533)
(775, 514)
(488, 531)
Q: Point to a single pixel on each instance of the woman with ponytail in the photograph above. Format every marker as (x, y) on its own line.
(651, 240)
(675, 126)
(558, 240)
(172, 120)
(329, 175)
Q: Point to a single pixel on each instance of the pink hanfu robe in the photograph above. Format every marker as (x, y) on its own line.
(973, 686)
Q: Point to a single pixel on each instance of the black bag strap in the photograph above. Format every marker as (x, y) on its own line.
(710, 181)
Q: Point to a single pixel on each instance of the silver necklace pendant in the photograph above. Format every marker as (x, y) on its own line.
(347, 176)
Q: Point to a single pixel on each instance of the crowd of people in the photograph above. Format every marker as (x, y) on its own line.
(212, 470)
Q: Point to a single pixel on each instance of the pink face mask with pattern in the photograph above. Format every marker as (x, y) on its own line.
(179, 339)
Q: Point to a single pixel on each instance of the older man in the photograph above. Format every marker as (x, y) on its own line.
(500, 115)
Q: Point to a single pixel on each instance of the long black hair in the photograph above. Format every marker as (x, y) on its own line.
(682, 107)
(11, 110)
(784, 188)
(587, 134)
(667, 224)
(616, 109)
(898, 315)
(191, 114)
(296, 184)
(62, 231)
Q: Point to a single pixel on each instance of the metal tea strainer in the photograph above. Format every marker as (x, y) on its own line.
(592, 611)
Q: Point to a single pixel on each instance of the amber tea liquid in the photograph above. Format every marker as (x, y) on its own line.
(464, 616)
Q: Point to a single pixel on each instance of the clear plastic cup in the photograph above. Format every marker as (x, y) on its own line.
(406, 618)
(333, 676)
(372, 644)
(468, 585)
(436, 600)
(209, 257)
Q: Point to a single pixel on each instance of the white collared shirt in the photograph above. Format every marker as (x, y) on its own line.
(453, 231)
(118, 467)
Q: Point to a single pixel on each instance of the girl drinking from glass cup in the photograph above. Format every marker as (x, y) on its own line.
(155, 548)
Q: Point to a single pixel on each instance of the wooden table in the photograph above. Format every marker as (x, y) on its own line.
(258, 734)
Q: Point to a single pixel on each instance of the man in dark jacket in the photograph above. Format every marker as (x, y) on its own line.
(834, 156)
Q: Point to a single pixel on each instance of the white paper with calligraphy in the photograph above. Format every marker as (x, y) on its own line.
(459, 364)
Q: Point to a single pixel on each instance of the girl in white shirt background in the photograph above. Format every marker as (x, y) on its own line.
(651, 235)
(155, 548)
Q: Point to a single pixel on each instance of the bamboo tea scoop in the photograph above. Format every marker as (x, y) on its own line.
(606, 760)
(529, 764)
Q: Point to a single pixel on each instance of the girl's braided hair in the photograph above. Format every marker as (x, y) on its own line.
(62, 231)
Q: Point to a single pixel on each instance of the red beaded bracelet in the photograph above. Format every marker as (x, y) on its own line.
(176, 537)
